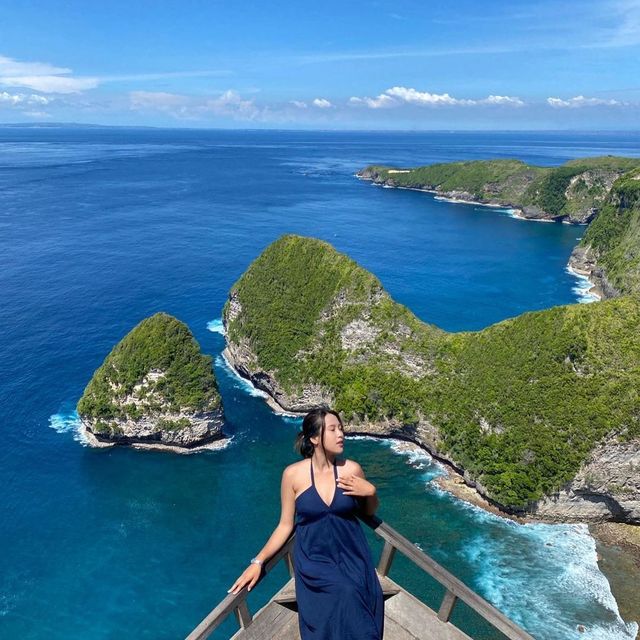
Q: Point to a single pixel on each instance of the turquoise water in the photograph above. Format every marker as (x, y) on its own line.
(100, 228)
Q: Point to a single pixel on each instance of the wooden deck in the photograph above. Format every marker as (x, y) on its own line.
(405, 617)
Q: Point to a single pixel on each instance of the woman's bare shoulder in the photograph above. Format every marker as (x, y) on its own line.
(350, 466)
(294, 471)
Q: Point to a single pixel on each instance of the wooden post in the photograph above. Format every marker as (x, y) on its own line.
(289, 562)
(386, 558)
(448, 602)
(242, 614)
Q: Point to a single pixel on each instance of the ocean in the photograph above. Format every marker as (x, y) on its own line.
(100, 228)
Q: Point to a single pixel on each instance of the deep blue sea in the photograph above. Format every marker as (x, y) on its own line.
(100, 228)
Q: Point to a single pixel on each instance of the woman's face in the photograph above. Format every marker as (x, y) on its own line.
(333, 435)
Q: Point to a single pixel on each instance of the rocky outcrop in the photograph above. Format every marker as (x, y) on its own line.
(485, 402)
(572, 193)
(155, 424)
(154, 389)
(582, 262)
(240, 355)
(607, 487)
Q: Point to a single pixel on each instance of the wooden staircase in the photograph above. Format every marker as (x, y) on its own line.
(405, 617)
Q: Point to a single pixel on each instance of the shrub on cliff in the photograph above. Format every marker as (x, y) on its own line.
(519, 404)
(161, 344)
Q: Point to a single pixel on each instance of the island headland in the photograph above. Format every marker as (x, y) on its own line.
(603, 192)
(538, 413)
(154, 390)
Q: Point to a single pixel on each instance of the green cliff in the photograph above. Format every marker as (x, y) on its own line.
(610, 248)
(573, 192)
(154, 386)
(520, 405)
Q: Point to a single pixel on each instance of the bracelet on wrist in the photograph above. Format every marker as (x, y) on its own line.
(256, 561)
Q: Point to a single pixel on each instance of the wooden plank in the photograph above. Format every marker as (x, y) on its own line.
(419, 620)
(242, 615)
(269, 624)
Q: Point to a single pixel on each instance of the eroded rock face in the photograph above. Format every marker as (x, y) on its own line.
(156, 425)
(607, 487)
(241, 357)
(583, 261)
(155, 388)
(198, 429)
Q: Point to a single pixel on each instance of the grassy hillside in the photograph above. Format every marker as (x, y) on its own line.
(613, 238)
(519, 404)
(159, 343)
(571, 190)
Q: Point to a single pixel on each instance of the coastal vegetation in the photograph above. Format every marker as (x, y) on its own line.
(518, 405)
(573, 191)
(156, 368)
(612, 240)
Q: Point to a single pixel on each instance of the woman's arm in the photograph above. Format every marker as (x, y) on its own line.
(279, 536)
(287, 512)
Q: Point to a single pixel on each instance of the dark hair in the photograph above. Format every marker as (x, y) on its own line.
(313, 425)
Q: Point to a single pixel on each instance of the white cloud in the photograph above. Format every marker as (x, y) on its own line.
(11, 67)
(422, 97)
(404, 95)
(50, 84)
(321, 103)
(231, 103)
(8, 98)
(299, 104)
(22, 98)
(510, 101)
(380, 102)
(47, 78)
(42, 76)
(581, 101)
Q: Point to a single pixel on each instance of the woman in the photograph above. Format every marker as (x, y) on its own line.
(337, 589)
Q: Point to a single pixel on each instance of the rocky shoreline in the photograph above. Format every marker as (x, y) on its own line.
(459, 196)
(606, 486)
(218, 441)
(618, 544)
(580, 261)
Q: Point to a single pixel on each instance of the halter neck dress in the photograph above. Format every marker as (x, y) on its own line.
(337, 588)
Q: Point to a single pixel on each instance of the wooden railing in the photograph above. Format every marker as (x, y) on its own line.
(454, 589)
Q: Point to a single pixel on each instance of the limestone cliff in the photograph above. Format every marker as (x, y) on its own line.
(609, 252)
(573, 192)
(520, 407)
(607, 486)
(154, 388)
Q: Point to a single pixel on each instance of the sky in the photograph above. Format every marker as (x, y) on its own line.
(416, 65)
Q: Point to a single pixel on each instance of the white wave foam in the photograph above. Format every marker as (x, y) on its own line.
(416, 457)
(69, 422)
(582, 288)
(551, 569)
(240, 382)
(216, 326)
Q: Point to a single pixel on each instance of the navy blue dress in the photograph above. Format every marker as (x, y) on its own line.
(337, 588)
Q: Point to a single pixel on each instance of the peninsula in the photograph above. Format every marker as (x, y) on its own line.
(154, 390)
(539, 412)
(572, 192)
(603, 192)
